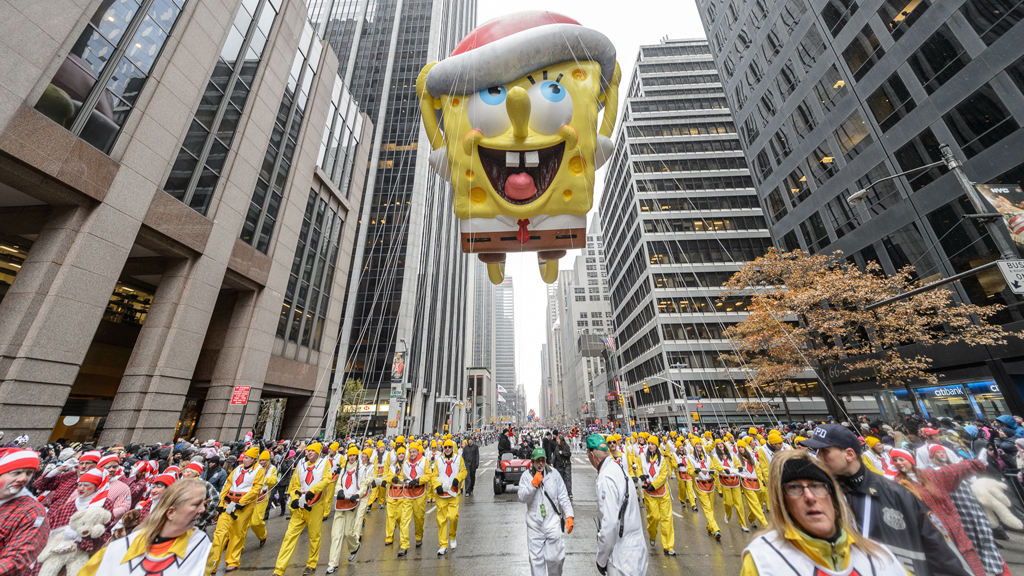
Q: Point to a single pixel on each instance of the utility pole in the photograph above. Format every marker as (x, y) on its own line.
(1006, 250)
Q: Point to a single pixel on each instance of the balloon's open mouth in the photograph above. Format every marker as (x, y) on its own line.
(521, 176)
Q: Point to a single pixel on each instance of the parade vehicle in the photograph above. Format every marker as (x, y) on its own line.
(508, 471)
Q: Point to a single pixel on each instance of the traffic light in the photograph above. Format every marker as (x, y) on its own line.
(647, 389)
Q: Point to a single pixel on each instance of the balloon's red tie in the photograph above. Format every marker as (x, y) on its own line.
(523, 235)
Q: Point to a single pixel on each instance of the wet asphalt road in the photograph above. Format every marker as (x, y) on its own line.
(492, 539)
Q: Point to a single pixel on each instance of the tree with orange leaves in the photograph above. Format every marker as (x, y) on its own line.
(809, 311)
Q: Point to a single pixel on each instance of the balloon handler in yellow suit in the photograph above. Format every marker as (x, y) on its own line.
(414, 500)
(258, 525)
(237, 502)
(353, 480)
(448, 475)
(654, 469)
(309, 480)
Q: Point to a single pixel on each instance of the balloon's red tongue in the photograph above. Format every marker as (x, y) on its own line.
(520, 186)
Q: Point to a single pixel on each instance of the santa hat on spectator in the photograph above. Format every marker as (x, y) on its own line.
(141, 467)
(173, 471)
(935, 448)
(12, 459)
(103, 461)
(165, 479)
(92, 456)
(195, 466)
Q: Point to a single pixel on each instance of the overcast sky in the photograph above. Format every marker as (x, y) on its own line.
(628, 25)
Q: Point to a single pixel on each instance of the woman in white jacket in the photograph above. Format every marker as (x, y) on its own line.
(542, 490)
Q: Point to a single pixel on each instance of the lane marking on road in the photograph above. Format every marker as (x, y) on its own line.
(431, 510)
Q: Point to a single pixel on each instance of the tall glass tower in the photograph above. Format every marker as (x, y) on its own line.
(408, 287)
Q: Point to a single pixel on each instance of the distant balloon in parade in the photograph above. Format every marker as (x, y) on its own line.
(512, 116)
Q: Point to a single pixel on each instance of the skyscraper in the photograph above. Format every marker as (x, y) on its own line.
(586, 311)
(832, 96)
(408, 290)
(554, 353)
(681, 216)
(505, 348)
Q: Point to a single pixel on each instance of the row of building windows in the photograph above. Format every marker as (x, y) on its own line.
(699, 203)
(716, 224)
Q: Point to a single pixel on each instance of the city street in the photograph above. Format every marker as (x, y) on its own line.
(492, 539)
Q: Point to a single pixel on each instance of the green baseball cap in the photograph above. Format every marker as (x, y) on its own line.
(596, 442)
(538, 452)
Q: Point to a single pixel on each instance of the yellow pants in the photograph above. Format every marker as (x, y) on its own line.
(329, 497)
(229, 535)
(754, 504)
(733, 498)
(686, 492)
(302, 519)
(345, 534)
(707, 503)
(259, 527)
(447, 513)
(659, 511)
(394, 513)
(412, 508)
(376, 495)
(763, 495)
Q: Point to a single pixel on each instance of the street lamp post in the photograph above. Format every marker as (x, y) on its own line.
(686, 399)
(988, 219)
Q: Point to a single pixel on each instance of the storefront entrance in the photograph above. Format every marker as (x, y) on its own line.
(971, 401)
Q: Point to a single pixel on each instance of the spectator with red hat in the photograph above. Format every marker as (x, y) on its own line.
(160, 483)
(23, 525)
(138, 483)
(118, 492)
(933, 487)
(195, 470)
(61, 482)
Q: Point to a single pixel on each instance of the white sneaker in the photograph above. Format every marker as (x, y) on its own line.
(744, 528)
(652, 542)
(441, 551)
(726, 519)
(452, 544)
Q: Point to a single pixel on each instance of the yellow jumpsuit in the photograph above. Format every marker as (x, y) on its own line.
(659, 508)
(259, 527)
(329, 491)
(764, 462)
(232, 529)
(684, 480)
(414, 507)
(753, 497)
(347, 527)
(732, 497)
(306, 478)
(448, 503)
(394, 499)
(703, 469)
(377, 493)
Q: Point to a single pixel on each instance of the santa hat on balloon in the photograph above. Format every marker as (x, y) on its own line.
(509, 47)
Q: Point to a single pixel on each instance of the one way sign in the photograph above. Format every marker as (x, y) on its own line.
(1013, 272)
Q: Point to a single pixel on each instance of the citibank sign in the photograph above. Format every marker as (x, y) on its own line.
(953, 391)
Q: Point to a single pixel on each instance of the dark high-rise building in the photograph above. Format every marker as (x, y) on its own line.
(680, 217)
(830, 96)
(408, 290)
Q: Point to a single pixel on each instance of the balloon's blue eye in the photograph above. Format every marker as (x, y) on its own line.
(493, 96)
(552, 91)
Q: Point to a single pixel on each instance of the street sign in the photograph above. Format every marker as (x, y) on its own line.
(396, 393)
(1013, 272)
(700, 404)
(240, 395)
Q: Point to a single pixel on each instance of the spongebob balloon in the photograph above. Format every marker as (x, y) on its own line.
(512, 116)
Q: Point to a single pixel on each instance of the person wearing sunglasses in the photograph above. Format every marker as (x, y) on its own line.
(809, 527)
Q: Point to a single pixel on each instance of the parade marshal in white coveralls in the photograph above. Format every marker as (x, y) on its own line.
(620, 535)
(541, 489)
